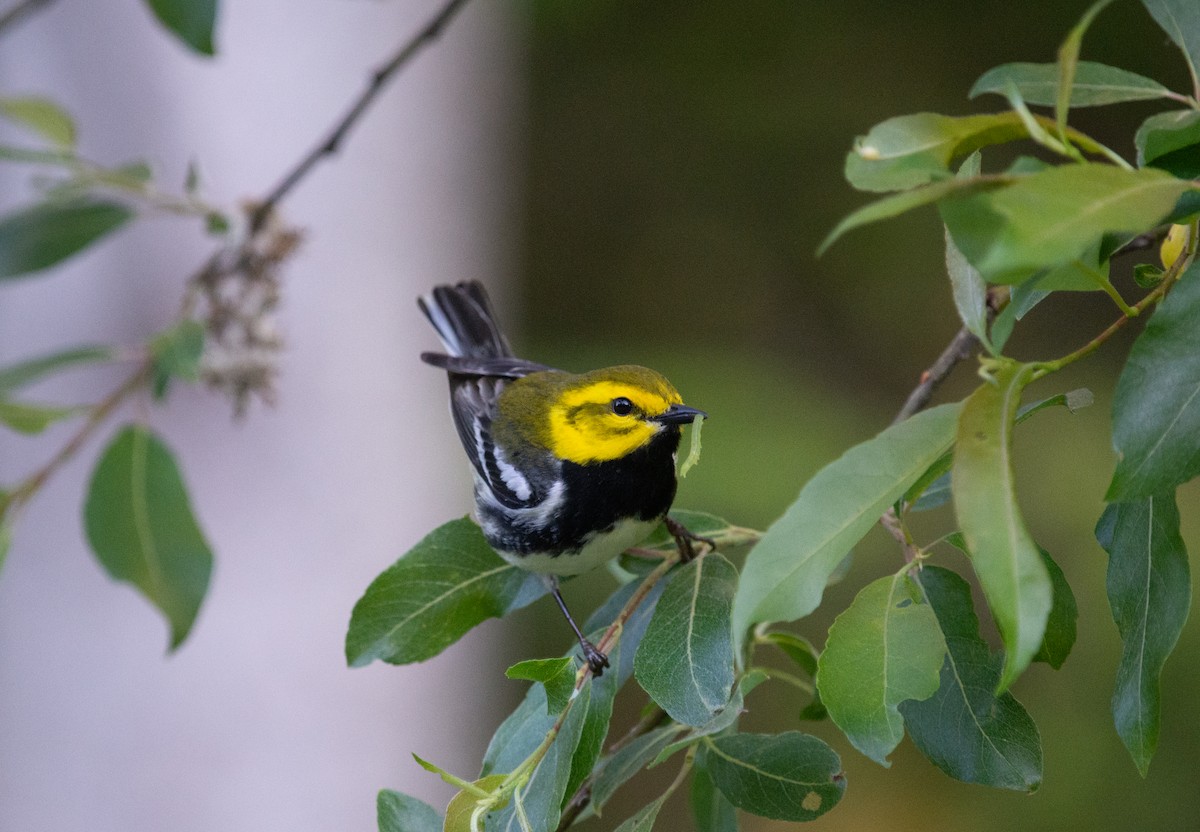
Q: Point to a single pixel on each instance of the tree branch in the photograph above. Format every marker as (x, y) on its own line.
(960, 348)
(379, 79)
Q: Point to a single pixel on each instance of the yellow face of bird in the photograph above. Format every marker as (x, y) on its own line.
(609, 413)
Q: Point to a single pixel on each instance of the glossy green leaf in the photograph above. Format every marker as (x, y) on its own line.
(1051, 218)
(396, 812)
(15, 376)
(428, 599)
(685, 661)
(711, 810)
(37, 237)
(788, 776)
(1180, 19)
(1095, 84)
(1089, 273)
(786, 572)
(1008, 562)
(1149, 591)
(620, 767)
(556, 675)
(43, 117)
(1156, 406)
(965, 729)
(1165, 134)
(32, 418)
(903, 202)
(543, 796)
(192, 21)
(1061, 623)
(910, 151)
(884, 649)
(139, 522)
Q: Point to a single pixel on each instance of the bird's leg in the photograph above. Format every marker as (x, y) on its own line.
(596, 660)
(684, 537)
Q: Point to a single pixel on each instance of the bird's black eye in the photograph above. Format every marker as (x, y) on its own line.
(622, 406)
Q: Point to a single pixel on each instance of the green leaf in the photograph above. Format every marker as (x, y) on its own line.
(139, 522)
(556, 675)
(463, 805)
(1051, 218)
(905, 201)
(1061, 623)
(643, 820)
(6, 524)
(32, 418)
(965, 729)
(620, 767)
(1164, 134)
(43, 117)
(192, 21)
(909, 151)
(970, 293)
(1156, 406)
(1087, 274)
(595, 725)
(1068, 60)
(786, 572)
(1147, 275)
(42, 235)
(428, 599)
(176, 353)
(1149, 590)
(1180, 19)
(788, 776)
(543, 795)
(1008, 562)
(885, 648)
(711, 810)
(933, 487)
(1095, 84)
(18, 375)
(798, 649)
(723, 720)
(396, 812)
(685, 661)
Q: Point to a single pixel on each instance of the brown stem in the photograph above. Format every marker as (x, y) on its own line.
(959, 349)
(366, 98)
(98, 415)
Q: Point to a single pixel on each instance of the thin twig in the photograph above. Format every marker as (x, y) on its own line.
(959, 349)
(23, 9)
(98, 415)
(375, 85)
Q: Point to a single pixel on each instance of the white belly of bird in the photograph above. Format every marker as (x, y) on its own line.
(599, 549)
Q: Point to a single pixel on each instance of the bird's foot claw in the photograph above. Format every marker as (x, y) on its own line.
(596, 660)
(684, 538)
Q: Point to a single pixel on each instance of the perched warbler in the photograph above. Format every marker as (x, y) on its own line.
(570, 470)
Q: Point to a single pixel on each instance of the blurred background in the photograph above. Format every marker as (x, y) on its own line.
(638, 183)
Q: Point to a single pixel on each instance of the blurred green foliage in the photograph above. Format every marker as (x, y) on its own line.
(684, 160)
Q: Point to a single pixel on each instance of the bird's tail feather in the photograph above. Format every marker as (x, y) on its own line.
(464, 320)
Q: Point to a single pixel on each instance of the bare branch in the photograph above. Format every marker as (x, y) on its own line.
(379, 79)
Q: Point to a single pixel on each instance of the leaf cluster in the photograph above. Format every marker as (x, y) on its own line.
(907, 655)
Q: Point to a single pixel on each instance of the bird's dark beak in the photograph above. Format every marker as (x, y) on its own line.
(679, 414)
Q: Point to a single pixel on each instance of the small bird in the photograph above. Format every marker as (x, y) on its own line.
(570, 470)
